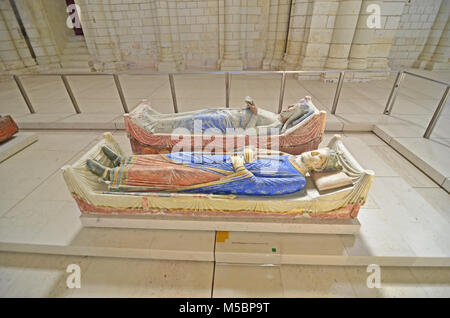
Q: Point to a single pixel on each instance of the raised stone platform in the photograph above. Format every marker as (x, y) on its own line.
(270, 225)
(432, 156)
(18, 142)
(403, 223)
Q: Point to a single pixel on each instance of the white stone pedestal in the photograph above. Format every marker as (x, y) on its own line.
(231, 65)
(169, 67)
(18, 142)
(273, 225)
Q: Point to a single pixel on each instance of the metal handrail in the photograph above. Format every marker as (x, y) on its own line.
(426, 78)
(439, 108)
(393, 94)
(205, 73)
(228, 76)
(337, 94)
(437, 114)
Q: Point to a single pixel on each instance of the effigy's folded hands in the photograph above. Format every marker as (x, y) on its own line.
(249, 155)
(237, 162)
(251, 104)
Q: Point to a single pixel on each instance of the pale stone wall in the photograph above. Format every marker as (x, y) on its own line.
(383, 38)
(44, 22)
(311, 34)
(54, 11)
(415, 26)
(174, 35)
(34, 17)
(14, 53)
(435, 54)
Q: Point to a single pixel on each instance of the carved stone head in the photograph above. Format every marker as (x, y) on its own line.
(320, 160)
(295, 110)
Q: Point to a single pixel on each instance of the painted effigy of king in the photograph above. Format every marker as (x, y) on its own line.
(188, 172)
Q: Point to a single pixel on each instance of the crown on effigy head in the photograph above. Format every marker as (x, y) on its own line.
(304, 100)
(332, 163)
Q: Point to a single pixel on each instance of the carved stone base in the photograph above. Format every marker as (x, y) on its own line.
(231, 65)
(274, 225)
(166, 67)
(18, 142)
(436, 66)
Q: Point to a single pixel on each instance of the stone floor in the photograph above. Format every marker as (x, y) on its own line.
(406, 217)
(25, 275)
(405, 221)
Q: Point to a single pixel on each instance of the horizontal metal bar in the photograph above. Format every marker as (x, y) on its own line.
(427, 78)
(437, 113)
(209, 73)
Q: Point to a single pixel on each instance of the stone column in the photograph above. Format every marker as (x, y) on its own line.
(110, 52)
(276, 35)
(380, 49)
(318, 35)
(175, 34)
(298, 29)
(343, 32)
(272, 18)
(433, 41)
(39, 33)
(362, 39)
(14, 53)
(100, 34)
(440, 59)
(231, 60)
(166, 59)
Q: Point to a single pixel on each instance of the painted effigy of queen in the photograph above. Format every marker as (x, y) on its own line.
(187, 172)
(223, 120)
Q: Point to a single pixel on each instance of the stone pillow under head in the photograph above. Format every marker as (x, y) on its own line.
(329, 180)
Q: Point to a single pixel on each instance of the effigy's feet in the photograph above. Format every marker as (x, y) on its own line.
(99, 169)
(115, 158)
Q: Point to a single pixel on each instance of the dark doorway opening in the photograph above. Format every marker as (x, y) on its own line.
(73, 13)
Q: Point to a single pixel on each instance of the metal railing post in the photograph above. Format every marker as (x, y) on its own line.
(393, 95)
(227, 90)
(24, 93)
(121, 95)
(172, 90)
(338, 92)
(437, 114)
(71, 95)
(282, 86)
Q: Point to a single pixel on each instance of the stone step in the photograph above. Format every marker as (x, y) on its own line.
(67, 70)
(75, 57)
(75, 45)
(75, 50)
(75, 64)
(76, 38)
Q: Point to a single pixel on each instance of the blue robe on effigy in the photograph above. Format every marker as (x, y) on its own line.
(270, 175)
